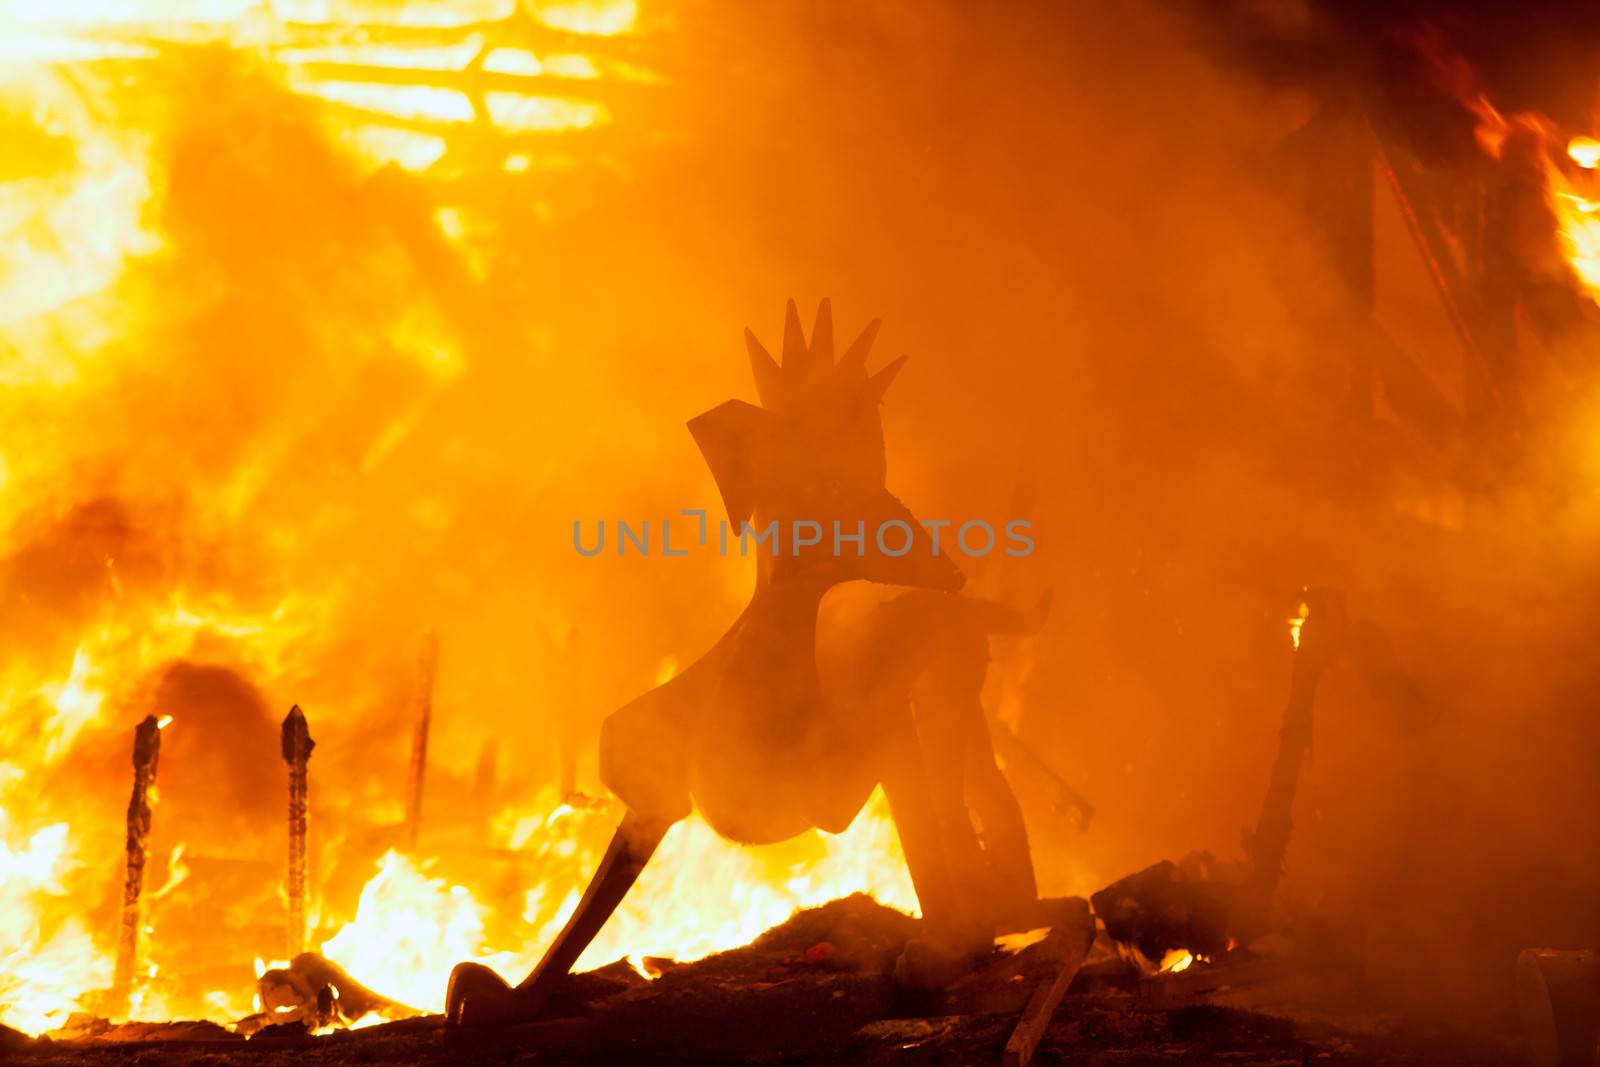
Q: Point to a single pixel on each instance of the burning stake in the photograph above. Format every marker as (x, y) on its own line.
(297, 746)
(146, 754)
(1318, 636)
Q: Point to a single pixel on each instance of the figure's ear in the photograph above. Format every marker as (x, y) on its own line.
(730, 438)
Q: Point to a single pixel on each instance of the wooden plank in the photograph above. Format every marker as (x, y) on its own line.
(1047, 995)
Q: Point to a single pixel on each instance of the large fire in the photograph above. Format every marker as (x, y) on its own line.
(701, 895)
(122, 622)
(1566, 166)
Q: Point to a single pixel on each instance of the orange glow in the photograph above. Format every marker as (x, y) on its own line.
(1296, 621)
(700, 895)
(1567, 166)
(1176, 961)
(82, 208)
(600, 17)
(1585, 152)
(70, 234)
(42, 974)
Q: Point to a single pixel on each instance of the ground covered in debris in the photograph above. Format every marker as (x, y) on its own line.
(820, 989)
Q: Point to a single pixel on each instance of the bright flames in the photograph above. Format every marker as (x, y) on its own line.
(175, 535)
(1296, 622)
(1569, 169)
(1176, 961)
(701, 894)
(1580, 228)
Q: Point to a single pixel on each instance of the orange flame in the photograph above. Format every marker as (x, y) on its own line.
(72, 234)
(701, 894)
(1176, 961)
(1296, 622)
(1567, 166)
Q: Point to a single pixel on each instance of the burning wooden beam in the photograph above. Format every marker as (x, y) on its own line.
(1479, 315)
(297, 746)
(427, 665)
(1074, 936)
(146, 755)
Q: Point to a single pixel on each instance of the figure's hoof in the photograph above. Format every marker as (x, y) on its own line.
(477, 996)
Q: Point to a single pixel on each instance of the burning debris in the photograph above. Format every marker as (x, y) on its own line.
(894, 684)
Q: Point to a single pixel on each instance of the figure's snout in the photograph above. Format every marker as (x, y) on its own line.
(902, 550)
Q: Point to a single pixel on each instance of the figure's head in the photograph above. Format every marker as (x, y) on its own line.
(813, 453)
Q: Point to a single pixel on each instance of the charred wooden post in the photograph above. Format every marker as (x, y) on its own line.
(297, 746)
(146, 754)
(427, 664)
(1318, 635)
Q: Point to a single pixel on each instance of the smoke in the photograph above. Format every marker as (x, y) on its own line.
(338, 407)
(1085, 228)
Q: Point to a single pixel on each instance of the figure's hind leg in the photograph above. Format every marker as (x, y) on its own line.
(951, 720)
(1005, 836)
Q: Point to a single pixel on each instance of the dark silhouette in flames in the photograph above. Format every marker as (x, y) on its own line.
(834, 680)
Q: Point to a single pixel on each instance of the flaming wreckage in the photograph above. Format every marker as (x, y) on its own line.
(845, 672)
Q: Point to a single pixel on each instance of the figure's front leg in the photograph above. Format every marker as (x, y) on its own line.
(478, 996)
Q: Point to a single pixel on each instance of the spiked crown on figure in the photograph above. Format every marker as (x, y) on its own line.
(813, 451)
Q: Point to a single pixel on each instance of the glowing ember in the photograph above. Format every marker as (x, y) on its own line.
(1296, 621)
(1014, 943)
(1176, 960)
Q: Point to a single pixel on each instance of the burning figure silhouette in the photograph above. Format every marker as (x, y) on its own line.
(834, 680)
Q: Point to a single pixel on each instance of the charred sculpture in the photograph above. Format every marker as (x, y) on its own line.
(831, 682)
